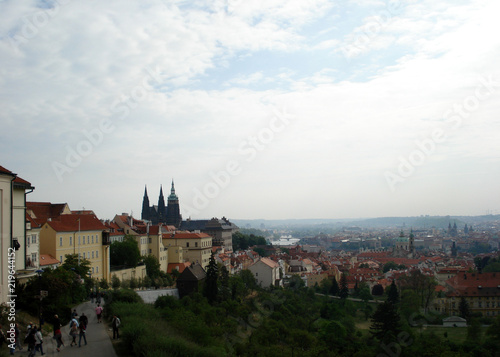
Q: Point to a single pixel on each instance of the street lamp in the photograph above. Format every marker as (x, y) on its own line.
(39, 272)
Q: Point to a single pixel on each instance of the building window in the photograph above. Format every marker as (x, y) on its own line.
(33, 239)
(97, 269)
(33, 257)
(93, 270)
(150, 251)
(150, 240)
(60, 243)
(92, 254)
(97, 254)
(83, 255)
(88, 239)
(60, 259)
(97, 239)
(70, 240)
(187, 244)
(196, 244)
(92, 239)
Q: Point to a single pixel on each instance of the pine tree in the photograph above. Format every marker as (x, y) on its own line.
(385, 322)
(393, 294)
(464, 308)
(211, 288)
(224, 284)
(334, 290)
(344, 289)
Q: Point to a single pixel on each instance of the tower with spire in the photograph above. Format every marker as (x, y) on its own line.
(146, 210)
(161, 207)
(173, 214)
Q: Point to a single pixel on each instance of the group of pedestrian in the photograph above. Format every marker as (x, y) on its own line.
(77, 328)
(33, 339)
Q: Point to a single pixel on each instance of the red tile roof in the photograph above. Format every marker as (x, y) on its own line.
(185, 235)
(76, 222)
(45, 210)
(3, 170)
(47, 259)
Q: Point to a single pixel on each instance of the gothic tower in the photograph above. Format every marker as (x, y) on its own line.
(161, 206)
(173, 216)
(146, 210)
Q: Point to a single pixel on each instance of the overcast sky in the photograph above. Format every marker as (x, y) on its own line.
(257, 109)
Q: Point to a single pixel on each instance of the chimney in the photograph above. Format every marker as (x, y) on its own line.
(147, 228)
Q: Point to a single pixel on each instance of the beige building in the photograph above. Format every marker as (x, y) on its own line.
(196, 247)
(81, 234)
(266, 272)
(15, 261)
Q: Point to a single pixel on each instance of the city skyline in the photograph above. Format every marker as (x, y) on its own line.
(279, 110)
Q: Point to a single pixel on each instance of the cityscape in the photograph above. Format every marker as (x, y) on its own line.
(250, 178)
(449, 267)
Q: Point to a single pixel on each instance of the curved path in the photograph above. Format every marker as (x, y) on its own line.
(98, 341)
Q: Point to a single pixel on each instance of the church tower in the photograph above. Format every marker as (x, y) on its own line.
(173, 216)
(412, 244)
(161, 206)
(146, 210)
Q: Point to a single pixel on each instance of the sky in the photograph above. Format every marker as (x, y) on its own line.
(275, 109)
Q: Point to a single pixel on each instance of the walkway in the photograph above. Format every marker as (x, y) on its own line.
(99, 343)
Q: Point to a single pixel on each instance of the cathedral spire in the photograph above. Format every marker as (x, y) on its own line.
(145, 206)
(161, 202)
(173, 196)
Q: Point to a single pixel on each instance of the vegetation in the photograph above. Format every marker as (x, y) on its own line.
(243, 241)
(66, 286)
(125, 253)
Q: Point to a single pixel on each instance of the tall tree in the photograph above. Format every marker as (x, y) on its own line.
(211, 288)
(385, 322)
(224, 284)
(152, 266)
(393, 294)
(344, 289)
(464, 308)
(334, 290)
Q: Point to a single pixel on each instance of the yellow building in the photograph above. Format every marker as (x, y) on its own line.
(81, 234)
(196, 247)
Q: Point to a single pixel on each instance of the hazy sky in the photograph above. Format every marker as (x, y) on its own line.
(256, 109)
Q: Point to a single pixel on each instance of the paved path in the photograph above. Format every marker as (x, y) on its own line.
(99, 343)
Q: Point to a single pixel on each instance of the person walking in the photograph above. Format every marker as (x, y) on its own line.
(98, 311)
(57, 332)
(39, 341)
(83, 329)
(73, 331)
(31, 340)
(116, 324)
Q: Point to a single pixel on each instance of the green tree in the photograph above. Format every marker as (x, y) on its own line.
(152, 266)
(393, 294)
(390, 265)
(211, 288)
(325, 286)
(474, 331)
(125, 253)
(224, 284)
(115, 282)
(344, 289)
(385, 322)
(464, 308)
(334, 290)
